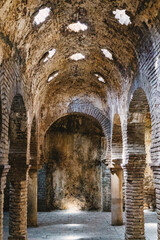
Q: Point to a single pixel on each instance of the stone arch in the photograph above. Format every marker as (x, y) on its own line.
(84, 149)
(78, 106)
(138, 111)
(19, 169)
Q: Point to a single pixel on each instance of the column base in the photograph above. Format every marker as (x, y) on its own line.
(131, 237)
(17, 237)
(32, 225)
(117, 212)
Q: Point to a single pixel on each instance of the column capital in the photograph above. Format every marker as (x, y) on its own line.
(115, 166)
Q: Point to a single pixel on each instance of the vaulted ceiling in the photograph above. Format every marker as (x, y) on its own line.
(31, 42)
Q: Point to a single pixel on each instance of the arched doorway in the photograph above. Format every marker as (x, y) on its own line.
(73, 170)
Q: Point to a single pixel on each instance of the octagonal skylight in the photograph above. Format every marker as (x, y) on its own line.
(99, 77)
(107, 53)
(122, 17)
(50, 54)
(52, 76)
(77, 27)
(77, 57)
(41, 16)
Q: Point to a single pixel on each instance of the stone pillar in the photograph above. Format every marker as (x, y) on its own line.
(106, 188)
(156, 172)
(18, 203)
(117, 194)
(3, 173)
(134, 175)
(32, 198)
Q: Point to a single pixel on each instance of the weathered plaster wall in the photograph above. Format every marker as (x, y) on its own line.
(74, 164)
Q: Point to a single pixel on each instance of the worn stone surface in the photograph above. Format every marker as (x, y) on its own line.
(61, 225)
(74, 164)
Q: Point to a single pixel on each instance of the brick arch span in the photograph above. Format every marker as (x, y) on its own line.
(138, 113)
(89, 109)
(78, 106)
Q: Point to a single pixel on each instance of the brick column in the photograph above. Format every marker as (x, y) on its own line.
(156, 170)
(18, 203)
(134, 175)
(32, 198)
(116, 193)
(3, 173)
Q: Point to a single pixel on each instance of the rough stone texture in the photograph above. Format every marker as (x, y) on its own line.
(74, 164)
(42, 189)
(32, 199)
(106, 188)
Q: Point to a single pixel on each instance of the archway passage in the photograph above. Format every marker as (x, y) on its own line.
(73, 171)
(117, 173)
(18, 171)
(139, 138)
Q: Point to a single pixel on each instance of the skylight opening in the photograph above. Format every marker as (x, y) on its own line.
(99, 77)
(77, 57)
(41, 15)
(52, 76)
(107, 53)
(77, 27)
(51, 53)
(122, 17)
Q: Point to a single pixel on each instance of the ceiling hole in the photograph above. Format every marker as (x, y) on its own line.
(107, 53)
(77, 27)
(77, 56)
(50, 54)
(52, 76)
(99, 77)
(122, 17)
(41, 15)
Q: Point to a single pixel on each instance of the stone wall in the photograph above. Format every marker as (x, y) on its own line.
(42, 189)
(74, 167)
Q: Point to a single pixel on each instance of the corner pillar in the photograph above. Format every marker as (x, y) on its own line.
(18, 203)
(4, 169)
(134, 176)
(32, 198)
(116, 194)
